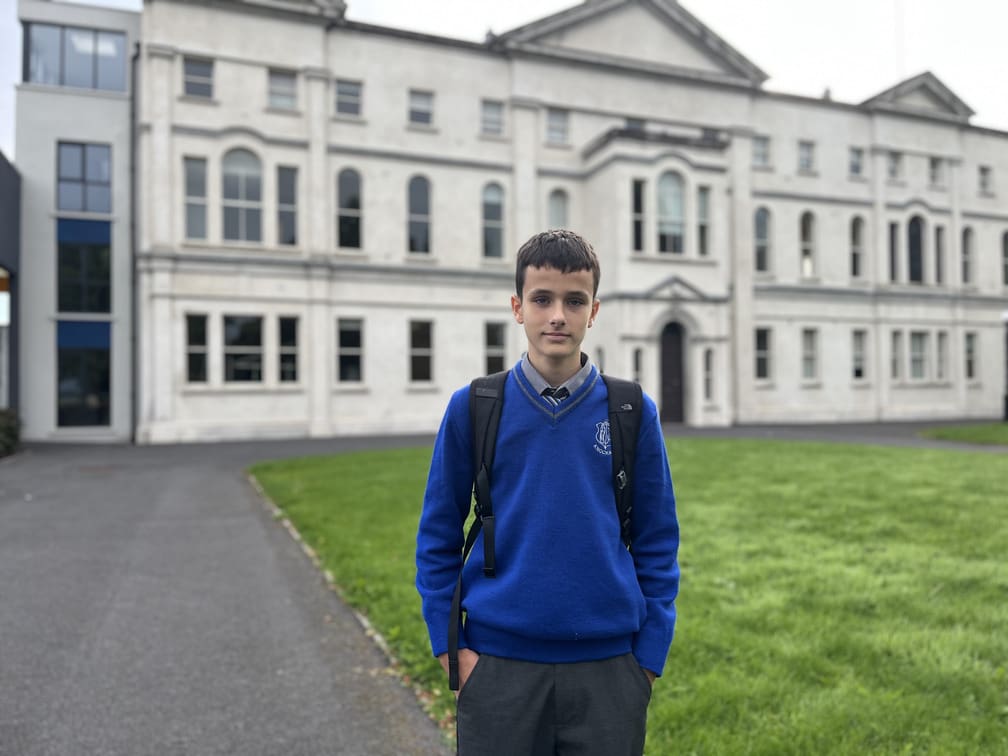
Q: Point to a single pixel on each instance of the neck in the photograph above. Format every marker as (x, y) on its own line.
(556, 372)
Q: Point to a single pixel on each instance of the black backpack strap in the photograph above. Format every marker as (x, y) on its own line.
(486, 396)
(626, 404)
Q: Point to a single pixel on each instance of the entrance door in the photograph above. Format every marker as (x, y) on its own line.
(672, 405)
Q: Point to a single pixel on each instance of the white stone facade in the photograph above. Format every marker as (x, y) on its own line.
(589, 101)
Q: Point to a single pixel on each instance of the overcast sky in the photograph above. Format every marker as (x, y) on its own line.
(857, 48)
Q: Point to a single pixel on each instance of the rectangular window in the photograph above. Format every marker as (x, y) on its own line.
(855, 161)
(763, 345)
(243, 352)
(195, 198)
(985, 180)
(286, 205)
(703, 220)
(74, 57)
(761, 151)
(708, 375)
(197, 77)
(806, 156)
(936, 171)
(84, 276)
(941, 356)
(196, 348)
(859, 355)
(894, 166)
(349, 221)
(282, 89)
(83, 373)
(896, 355)
(84, 175)
(637, 198)
(557, 124)
(288, 327)
(349, 97)
(939, 267)
(350, 350)
(918, 355)
(971, 356)
(894, 252)
(421, 107)
(421, 350)
(494, 342)
(492, 117)
(810, 354)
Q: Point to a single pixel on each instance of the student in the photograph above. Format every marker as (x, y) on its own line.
(561, 647)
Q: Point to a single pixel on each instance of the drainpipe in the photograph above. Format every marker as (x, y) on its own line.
(134, 366)
(1004, 318)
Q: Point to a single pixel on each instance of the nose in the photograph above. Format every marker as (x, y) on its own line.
(557, 318)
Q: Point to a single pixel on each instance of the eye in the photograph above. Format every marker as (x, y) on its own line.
(575, 302)
(540, 300)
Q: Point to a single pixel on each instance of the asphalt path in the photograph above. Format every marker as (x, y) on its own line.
(149, 604)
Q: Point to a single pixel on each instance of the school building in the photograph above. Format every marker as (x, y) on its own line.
(260, 218)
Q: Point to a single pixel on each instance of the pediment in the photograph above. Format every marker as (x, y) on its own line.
(658, 35)
(922, 95)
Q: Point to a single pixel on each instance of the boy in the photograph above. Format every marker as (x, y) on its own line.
(560, 648)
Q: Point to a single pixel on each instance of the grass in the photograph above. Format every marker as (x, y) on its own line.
(836, 599)
(982, 433)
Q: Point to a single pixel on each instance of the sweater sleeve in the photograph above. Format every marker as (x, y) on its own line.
(446, 505)
(655, 542)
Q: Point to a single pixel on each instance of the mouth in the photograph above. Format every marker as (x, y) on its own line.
(555, 335)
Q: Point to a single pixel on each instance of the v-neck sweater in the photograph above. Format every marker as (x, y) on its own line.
(566, 588)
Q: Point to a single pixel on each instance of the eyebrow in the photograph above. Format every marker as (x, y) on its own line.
(571, 292)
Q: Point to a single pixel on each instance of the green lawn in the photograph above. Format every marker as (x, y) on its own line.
(982, 433)
(835, 599)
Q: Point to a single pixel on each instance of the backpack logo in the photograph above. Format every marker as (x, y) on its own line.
(603, 441)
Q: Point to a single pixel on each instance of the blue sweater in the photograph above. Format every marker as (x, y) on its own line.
(566, 589)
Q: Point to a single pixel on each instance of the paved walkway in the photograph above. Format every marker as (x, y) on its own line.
(149, 605)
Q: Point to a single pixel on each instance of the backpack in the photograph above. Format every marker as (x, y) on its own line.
(486, 397)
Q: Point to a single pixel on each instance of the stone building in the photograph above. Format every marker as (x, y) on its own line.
(327, 214)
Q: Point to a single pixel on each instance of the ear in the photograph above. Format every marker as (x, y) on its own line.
(594, 312)
(516, 309)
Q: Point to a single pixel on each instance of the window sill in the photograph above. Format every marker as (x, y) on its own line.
(351, 388)
(764, 168)
(422, 388)
(896, 182)
(500, 138)
(921, 383)
(423, 128)
(274, 110)
(349, 118)
(196, 99)
(764, 385)
(351, 252)
(495, 262)
(82, 215)
(974, 385)
(937, 188)
(861, 384)
(91, 317)
(665, 258)
(811, 385)
(808, 172)
(858, 178)
(558, 145)
(810, 280)
(241, 387)
(420, 258)
(66, 89)
(987, 194)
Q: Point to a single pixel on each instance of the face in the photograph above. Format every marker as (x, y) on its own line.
(556, 310)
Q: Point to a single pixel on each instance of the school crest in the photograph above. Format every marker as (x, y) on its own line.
(603, 442)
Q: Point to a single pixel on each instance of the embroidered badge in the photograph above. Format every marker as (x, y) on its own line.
(602, 440)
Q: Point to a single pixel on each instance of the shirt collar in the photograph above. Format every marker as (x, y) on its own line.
(572, 384)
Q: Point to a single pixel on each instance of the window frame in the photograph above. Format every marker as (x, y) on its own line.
(859, 355)
(919, 344)
(703, 220)
(671, 229)
(60, 78)
(806, 156)
(761, 155)
(287, 214)
(855, 162)
(348, 215)
(495, 349)
(194, 203)
(349, 98)
(283, 97)
(246, 208)
(420, 111)
(418, 354)
(195, 349)
(288, 350)
(86, 182)
(558, 209)
(193, 82)
(857, 233)
(807, 262)
(234, 351)
(353, 355)
(763, 356)
(557, 127)
(638, 213)
(418, 215)
(491, 124)
(493, 228)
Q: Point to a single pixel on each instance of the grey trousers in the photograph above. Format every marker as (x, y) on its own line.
(515, 708)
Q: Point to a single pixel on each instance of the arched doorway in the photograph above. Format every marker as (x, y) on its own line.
(672, 374)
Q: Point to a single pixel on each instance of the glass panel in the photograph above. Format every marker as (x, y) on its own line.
(195, 177)
(494, 335)
(349, 190)
(253, 221)
(196, 330)
(243, 367)
(43, 54)
(240, 330)
(195, 221)
(98, 158)
(492, 242)
(286, 227)
(349, 232)
(288, 368)
(78, 57)
(420, 335)
(83, 385)
(420, 367)
(282, 90)
(253, 187)
(348, 96)
(493, 203)
(419, 196)
(70, 273)
(232, 223)
(231, 186)
(350, 334)
(71, 161)
(558, 209)
(70, 195)
(350, 367)
(111, 61)
(288, 332)
(287, 186)
(196, 368)
(99, 198)
(419, 236)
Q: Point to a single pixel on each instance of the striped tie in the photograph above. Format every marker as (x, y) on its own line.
(555, 396)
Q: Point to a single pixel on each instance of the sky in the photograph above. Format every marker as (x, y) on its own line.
(855, 48)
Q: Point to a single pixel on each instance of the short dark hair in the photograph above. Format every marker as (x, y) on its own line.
(560, 249)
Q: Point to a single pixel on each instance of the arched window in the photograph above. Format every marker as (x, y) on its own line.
(557, 210)
(670, 213)
(350, 222)
(493, 221)
(857, 247)
(242, 196)
(915, 250)
(761, 240)
(967, 255)
(808, 261)
(418, 223)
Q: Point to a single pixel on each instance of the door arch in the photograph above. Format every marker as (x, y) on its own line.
(673, 387)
